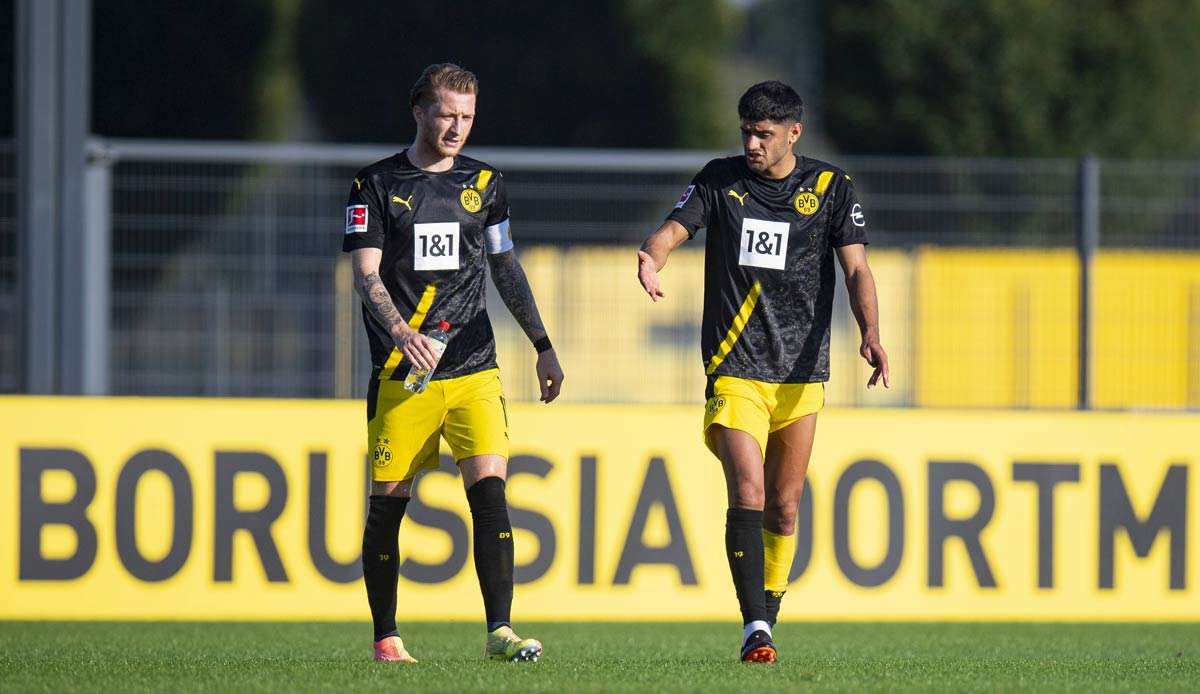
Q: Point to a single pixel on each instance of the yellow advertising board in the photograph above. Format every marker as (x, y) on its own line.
(131, 508)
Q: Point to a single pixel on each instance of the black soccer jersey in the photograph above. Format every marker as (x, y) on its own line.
(768, 265)
(434, 229)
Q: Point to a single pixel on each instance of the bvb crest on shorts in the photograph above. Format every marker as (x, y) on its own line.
(471, 200)
(806, 202)
(715, 404)
(382, 455)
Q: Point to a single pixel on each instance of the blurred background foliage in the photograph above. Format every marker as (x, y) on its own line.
(939, 77)
(1014, 77)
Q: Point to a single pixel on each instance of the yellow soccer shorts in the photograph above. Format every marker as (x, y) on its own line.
(403, 428)
(759, 408)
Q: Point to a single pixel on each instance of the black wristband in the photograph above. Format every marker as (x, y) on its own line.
(542, 344)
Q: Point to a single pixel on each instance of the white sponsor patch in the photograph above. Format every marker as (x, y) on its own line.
(498, 238)
(687, 195)
(856, 216)
(435, 246)
(763, 243)
(356, 219)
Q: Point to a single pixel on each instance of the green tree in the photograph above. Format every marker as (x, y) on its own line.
(1014, 77)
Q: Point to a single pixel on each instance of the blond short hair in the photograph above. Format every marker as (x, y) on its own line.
(445, 76)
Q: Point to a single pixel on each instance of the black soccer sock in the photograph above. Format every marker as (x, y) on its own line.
(773, 600)
(381, 560)
(744, 548)
(493, 549)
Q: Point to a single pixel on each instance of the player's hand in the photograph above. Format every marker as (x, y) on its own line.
(648, 276)
(417, 348)
(873, 352)
(550, 375)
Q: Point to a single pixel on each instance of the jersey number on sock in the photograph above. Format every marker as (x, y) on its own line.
(435, 246)
(764, 243)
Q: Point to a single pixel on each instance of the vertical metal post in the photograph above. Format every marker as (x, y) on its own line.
(1088, 240)
(96, 279)
(344, 301)
(79, 334)
(53, 115)
(37, 126)
(1193, 362)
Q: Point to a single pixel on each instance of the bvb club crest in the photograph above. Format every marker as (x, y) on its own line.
(471, 200)
(806, 203)
(382, 455)
(715, 404)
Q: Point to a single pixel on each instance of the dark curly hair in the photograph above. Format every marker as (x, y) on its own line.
(773, 101)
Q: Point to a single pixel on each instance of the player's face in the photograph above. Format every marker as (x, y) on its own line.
(445, 124)
(766, 142)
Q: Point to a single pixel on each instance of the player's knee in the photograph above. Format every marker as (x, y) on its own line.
(746, 494)
(779, 515)
(487, 494)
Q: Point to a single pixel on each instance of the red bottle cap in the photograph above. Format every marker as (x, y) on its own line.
(444, 326)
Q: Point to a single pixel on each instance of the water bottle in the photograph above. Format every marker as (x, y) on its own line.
(418, 378)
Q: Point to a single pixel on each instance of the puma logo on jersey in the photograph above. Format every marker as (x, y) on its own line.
(740, 198)
(407, 203)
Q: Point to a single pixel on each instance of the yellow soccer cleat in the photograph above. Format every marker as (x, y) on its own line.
(504, 644)
(390, 649)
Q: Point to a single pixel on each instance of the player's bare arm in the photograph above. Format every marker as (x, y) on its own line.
(513, 286)
(374, 294)
(652, 256)
(860, 284)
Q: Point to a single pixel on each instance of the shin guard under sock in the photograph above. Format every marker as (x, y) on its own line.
(744, 549)
(493, 549)
(381, 561)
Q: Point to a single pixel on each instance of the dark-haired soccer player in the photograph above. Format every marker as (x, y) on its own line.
(419, 225)
(774, 223)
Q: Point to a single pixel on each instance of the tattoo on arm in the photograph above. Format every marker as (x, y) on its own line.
(379, 301)
(513, 286)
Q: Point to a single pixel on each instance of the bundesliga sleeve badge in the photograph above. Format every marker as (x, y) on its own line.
(687, 194)
(356, 219)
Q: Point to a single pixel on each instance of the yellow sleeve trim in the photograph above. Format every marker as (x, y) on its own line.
(735, 330)
(481, 183)
(823, 181)
(418, 317)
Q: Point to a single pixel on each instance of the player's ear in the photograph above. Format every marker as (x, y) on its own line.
(796, 131)
(418, 114)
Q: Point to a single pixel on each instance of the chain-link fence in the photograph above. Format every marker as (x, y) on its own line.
(227, 278)
(1148, 295)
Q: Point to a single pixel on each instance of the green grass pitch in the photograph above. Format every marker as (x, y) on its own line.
(108, 656)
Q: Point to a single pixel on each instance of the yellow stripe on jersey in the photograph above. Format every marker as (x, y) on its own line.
(418, 317)
(823, 182)
(735, 330)
(481, 183)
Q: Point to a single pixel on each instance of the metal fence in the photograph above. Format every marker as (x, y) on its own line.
(10, 316)
(226, 278)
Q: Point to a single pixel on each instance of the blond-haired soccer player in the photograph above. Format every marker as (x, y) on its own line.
(775, 222)
(419, 226)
